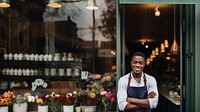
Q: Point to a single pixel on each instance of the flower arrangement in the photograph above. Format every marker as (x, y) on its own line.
(54, 101)
(27, 97)
(38, 83)
(69, 98)
(108, 98)
(106, 87)
(42, 101)
(6, 98)
(88, 97)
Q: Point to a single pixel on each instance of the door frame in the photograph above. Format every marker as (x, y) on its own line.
(189, 55)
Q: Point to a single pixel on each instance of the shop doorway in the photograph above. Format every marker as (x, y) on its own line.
(185, 22)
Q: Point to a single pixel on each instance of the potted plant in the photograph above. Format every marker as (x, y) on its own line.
(54, 102)
(42, 103)
(37, 85)
(69, 100)
(108, 99)
(20, 103)
(88, 99)
(108, 94)
(6, 100)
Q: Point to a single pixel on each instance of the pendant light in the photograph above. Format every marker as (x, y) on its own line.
(91, 5)
(166, 43)
(54, 4)
(162, 48)
(175, 48)
(4, 3)
(157, 12)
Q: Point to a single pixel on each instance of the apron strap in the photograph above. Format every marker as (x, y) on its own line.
(145, 81)
(129, 80)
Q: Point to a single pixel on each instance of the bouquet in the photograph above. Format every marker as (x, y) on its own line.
(6, 98)
(42, 101)
(106, 87)
(108, 98)
(69, 98)
(38, 83)
(26, 98)
(54, 101)
(88, 97)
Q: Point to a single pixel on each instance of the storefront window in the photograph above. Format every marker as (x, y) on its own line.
(70, 43)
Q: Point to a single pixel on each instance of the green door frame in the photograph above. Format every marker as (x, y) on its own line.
(190, 55)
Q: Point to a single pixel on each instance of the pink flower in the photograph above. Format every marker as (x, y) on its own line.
(108, 95)
(103, 93)
(112, 99)
(102, 89)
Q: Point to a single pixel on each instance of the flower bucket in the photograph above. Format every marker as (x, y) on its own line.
(4, 109)
(42, 108)
(68, 108)
(20, 107)
(88, 108)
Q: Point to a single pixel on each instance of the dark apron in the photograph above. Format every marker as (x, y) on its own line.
(138, 92)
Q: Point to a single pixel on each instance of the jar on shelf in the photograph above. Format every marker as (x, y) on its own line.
(77, 71)
(20, 56)
(10, 56)
(56, 57)
(68, 72)
(5, 56)
(64, 57)
(70, 57)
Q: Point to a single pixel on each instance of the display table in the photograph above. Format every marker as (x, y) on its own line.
(167, 103)
(170, 98)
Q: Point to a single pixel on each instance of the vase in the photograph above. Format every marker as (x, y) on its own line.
(42, 108)
(54, 106)
(38, 92)
(20, 107)
(88, 108)
(4, 109)
(68, 108)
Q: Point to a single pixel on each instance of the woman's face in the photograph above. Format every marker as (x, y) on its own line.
(137, 64)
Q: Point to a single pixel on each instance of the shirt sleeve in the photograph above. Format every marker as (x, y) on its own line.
(122, 94)
(153, 87)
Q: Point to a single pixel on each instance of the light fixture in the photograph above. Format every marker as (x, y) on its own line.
(4, 3)
(148, 61)
(157, 12)
(175, 48)
(54, 4)
(156, 51)
(166, 44)
(91, 5)
(153, 54)
(162, 48)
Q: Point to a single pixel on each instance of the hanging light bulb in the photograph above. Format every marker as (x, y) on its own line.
(4, 3)
(156, 51)
(147, 61)
(175, 48)
(91, 5)
(54, 4)
(166, 44)
(157, 12)
(162, 48)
